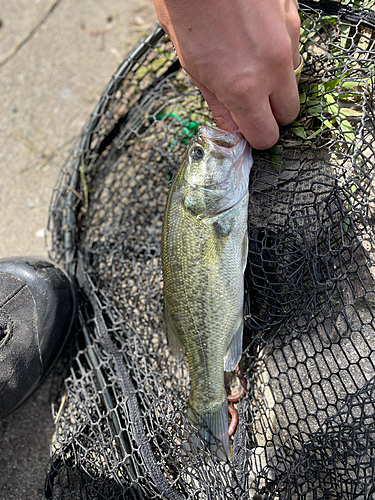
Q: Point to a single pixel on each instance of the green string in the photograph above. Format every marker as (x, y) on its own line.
(189, 128)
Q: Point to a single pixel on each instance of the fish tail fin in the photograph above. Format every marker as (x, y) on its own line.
(212, 427)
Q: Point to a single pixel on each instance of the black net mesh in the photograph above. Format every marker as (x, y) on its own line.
(306, 423)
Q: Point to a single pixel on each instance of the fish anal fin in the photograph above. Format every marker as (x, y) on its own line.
(174, 340)
(234, 351)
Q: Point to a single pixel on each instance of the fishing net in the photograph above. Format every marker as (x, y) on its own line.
(306, 421)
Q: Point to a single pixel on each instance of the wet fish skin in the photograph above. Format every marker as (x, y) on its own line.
(204, 253)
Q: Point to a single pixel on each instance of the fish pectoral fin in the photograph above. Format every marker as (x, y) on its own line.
(234, 351)
(245, 251)
(210, 249)
(174, 340)
(222, 226)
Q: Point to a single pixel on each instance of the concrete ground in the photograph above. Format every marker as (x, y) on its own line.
(50, 80)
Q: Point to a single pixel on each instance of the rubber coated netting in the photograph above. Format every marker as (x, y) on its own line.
(306, 423)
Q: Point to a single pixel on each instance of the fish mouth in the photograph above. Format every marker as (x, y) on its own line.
(221, 138)
(222, 144)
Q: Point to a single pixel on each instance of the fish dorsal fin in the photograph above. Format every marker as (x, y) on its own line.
(174, 340)
(234, 351)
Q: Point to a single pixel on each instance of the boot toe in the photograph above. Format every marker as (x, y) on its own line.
(37, 310)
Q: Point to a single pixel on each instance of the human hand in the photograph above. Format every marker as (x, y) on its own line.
(241, 54)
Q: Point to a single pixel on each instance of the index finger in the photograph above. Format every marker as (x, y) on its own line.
(257, 123)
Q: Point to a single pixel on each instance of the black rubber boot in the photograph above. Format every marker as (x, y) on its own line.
(37, 309)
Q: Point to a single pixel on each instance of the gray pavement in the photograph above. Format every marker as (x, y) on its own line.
(48, 89)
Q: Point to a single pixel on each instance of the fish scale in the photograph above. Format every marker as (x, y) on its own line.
(204, 251)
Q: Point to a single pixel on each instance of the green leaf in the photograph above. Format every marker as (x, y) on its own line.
(315, 110)
(348, 130)
(328, 124)
(329, 98)
(333, 107)
(313, 102)
(352, 85)
(331, 84)
(329, 20)
(350, 112)
(277, 164)
(300, 131)
(314, 134)
(345, 31)
(351, 98)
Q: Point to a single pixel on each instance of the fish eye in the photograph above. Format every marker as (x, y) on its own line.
(197, 153)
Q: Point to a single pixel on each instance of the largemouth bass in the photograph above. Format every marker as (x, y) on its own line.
(204, 252)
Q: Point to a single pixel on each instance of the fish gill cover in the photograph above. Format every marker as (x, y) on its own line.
(306, 423)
